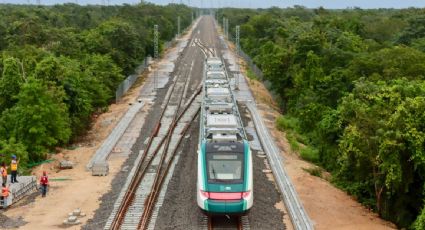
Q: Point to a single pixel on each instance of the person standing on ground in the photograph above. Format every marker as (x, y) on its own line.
(3, 171)
(4, 194)
(44, 182)
(14, 169)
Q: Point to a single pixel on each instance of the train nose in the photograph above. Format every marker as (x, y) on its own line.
(227, 206)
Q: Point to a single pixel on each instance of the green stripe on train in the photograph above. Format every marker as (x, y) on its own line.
(246, 153)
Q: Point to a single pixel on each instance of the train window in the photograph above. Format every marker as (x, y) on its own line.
(225, 167)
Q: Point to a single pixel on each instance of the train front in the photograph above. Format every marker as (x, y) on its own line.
(225, 185)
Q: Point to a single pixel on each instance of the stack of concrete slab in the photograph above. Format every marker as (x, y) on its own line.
(25, 186)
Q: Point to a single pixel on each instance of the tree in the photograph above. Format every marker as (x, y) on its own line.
(13, 76)
(383, 142)
(9, 147)
(39, 120)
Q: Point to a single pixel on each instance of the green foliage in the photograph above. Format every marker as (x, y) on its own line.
(353, 96)
(10, 82)
(284, 123)
(419, 223)
(11, 147)
(60, 64)
(308, 153)
(314, 171)
(39, 122)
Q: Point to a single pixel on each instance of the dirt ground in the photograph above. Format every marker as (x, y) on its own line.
(327, 206)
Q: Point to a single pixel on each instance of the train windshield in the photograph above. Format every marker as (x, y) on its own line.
(225, 167)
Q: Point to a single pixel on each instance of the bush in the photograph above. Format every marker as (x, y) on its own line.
(310, 154)
(285, 123)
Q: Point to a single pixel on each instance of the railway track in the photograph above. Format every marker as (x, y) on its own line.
(224, 223)
(207, 51)
(135, 209)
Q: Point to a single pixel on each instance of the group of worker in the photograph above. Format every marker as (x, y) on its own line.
(44, 180)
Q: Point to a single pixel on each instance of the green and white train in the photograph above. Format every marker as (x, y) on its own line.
(225, 178)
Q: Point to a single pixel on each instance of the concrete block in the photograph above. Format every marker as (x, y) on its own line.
(72, 220)
(76, 212)
(66, 165)
(100, 168)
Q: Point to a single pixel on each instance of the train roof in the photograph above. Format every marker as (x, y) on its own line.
(220, 119)
(224, 147)
(214, 64)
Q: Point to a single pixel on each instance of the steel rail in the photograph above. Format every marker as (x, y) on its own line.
(241, 224)
(157, 184)
(136, 180)
(204, 47)
(153, 196)
(299, 217)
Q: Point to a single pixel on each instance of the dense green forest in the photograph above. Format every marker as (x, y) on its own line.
(352, 90)
(61, 64)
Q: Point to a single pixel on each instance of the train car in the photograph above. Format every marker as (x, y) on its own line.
(225, 179)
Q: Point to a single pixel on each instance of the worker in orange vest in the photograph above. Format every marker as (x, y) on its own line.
(3, 172)
(14, 169)
(4, 194)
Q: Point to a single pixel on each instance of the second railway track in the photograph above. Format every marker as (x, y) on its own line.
(135, 208)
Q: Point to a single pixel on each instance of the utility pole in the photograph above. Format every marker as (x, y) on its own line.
(156, 54)
(178, 26)
(237, 56)
(227, 28)
(224, 26)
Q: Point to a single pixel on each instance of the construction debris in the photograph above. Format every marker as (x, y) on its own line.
(73, 217)
(66, 164)
(72, 220)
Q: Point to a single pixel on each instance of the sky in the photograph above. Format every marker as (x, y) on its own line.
(334, 4)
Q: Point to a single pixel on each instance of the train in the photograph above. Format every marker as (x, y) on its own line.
(224, 176)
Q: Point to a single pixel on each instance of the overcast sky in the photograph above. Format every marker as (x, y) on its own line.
(252, 3)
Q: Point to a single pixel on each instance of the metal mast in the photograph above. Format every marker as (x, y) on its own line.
(178, 26)
(156, 54)
(237, 56)
(224, 26)
(227, 28)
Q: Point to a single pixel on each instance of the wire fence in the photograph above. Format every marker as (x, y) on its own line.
(129, 81)
(257, 71)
